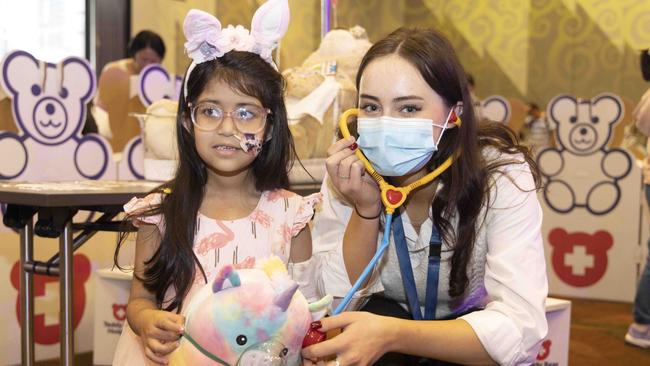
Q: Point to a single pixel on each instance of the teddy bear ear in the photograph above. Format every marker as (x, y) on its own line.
(79, 79)
(557, 236)
(608, 108)
(21, 73)
(603, 240)
(82, 268)
(562, 109)
(154, 84)
(496, 108)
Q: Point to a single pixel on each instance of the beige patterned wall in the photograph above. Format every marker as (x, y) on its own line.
(528, 49)
(165, 17)
(167, 20)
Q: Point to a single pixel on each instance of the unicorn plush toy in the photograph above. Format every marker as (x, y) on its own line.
(248, 317)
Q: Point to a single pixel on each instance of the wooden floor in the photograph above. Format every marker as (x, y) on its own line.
(597, 331)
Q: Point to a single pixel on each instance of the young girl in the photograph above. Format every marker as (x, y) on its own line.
(463, 279)
(227, 203)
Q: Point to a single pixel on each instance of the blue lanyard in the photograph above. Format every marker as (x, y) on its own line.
(433, 270)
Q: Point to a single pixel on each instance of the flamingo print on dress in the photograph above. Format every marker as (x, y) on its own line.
(284, 233)
(259, 217)
(280, 194)
(216, 241)
(248, 262)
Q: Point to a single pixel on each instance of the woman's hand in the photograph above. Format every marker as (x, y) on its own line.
(364, 339)
(160, 332)
(349, 177)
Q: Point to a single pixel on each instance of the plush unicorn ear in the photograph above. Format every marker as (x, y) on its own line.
(319, 308)
(283, 299)
(229, 273)
(270, 22)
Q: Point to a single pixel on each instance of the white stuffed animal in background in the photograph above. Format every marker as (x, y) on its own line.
(583, 129)
(313, 87)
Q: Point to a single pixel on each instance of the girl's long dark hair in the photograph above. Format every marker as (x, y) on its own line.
(466, 184)
(174, 263)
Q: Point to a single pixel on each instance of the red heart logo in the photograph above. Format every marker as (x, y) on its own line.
(393, 196)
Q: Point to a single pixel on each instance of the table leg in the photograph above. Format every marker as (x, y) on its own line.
(66, 296)
(27, 294)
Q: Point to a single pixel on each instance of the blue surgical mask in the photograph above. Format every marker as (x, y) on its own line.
(397, 146)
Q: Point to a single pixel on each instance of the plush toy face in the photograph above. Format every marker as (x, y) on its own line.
(246, 317)
(48, 100)
(584, 126)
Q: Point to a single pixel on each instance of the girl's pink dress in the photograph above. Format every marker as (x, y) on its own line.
(279, 216)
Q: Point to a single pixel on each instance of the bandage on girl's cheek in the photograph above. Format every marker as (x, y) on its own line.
(251, 143)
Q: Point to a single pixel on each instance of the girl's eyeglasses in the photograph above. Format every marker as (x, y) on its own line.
(208, 116)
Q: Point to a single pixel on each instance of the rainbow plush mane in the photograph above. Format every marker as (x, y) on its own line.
(247, 317)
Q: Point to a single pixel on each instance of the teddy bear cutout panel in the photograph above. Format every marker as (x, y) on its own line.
(154, 84)
(591, 201)
(496, 108)
(49, 108)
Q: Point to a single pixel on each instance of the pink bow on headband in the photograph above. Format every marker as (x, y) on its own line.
(207, 41)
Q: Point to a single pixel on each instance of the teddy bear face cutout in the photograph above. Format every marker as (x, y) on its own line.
(585, 126)
(48, 101)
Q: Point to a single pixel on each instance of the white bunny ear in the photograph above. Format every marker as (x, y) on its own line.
(270, 22)
(200, 24)
(201, 30)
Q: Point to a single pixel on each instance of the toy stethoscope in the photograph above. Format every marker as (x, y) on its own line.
(392, 198)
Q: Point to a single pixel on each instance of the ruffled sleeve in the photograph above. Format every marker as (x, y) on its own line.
(305, 212)
(137, 208)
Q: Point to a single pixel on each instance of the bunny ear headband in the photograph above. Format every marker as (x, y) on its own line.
(206, 40)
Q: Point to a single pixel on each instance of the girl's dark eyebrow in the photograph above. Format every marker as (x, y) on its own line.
(215, 101)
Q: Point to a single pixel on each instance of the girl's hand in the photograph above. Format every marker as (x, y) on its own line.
(349, 177)
(160, 332)
(364, 339)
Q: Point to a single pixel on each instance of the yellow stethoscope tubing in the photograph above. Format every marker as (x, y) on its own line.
(390, 207)
(384, 187)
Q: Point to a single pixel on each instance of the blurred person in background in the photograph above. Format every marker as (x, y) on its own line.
(113, 88)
